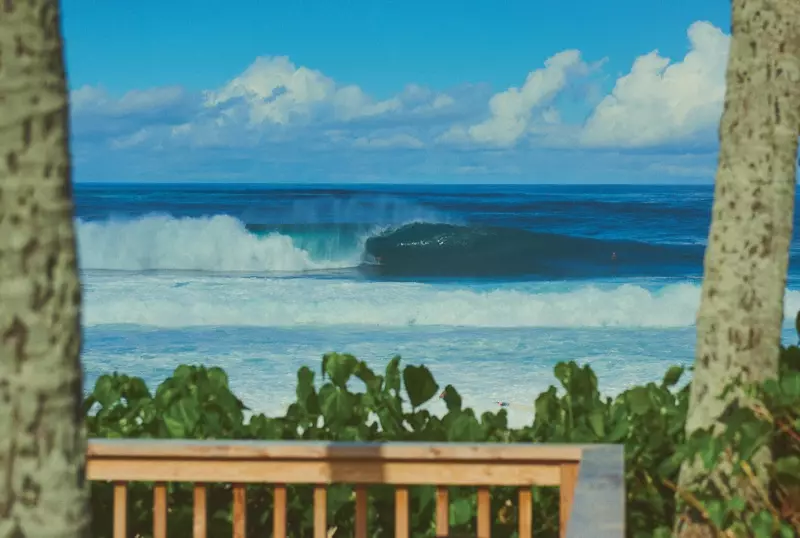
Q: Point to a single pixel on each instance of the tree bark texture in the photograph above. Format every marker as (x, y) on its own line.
(741, 310)
(43, 492)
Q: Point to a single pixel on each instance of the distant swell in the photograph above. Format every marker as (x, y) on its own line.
(424, 249)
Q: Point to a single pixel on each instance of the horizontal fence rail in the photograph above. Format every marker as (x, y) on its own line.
(590, 479)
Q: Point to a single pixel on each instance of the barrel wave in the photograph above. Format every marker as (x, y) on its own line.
(428, 249)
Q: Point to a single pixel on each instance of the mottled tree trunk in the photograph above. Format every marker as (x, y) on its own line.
(746, 261)
(43, 493)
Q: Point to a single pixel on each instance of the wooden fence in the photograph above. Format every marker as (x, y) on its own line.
(590, 478)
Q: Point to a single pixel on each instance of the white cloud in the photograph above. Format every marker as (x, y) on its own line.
(385, 142)
(511, 110)
(276, 91)
(129, 141)
(96, 100)
(660, 102)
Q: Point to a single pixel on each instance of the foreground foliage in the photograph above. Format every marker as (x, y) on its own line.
(197, 403)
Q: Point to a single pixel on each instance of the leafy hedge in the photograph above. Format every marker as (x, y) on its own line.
(649, 420)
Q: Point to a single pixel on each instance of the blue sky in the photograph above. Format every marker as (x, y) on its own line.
(402, 91)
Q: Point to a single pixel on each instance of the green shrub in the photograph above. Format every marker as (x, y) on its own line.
(196, 402)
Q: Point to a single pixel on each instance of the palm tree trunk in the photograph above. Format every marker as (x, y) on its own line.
(43, 493)
(746, 262)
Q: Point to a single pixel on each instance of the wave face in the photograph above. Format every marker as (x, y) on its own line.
(425, 249)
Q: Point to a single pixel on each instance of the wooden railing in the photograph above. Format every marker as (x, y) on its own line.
(590, 478)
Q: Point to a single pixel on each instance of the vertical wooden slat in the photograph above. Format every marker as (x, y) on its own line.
(401, 512)
(160, 510)
(239, 511)
(120, 510)
(279, 512)
(484, 513)
(525, 513)
(361, 512)
(442, 511)
(320, 512)
(199, 514)
(569, 477)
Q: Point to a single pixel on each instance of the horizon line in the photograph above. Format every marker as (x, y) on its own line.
(385, 183)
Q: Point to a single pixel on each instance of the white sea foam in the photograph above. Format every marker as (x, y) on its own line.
(164, 300)
(218, 243)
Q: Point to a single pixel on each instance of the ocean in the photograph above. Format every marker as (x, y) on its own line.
(488, 285)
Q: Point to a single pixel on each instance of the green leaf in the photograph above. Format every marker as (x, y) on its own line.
(175, 425)
(218, 378)
(790, 384)
(184, 371)
(420, 385)
(465, 428)
(337, 406)
(762, 524)
(460, 512)
(451, 398)
(305, 383)
(789, 466)
(639, 400)
(672, 376)
(392, 376)
(365, 374)
(736, 504)
(662, 532)
(339, 367)
(711, 453)
(597, 422)
(716, 512)
(786, 530)
(306, 395)
(561, 372)
(105, 390)
(546, 406)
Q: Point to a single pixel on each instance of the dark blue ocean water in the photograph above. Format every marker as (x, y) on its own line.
(491, 285)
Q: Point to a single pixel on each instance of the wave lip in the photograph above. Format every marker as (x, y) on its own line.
(426, 249)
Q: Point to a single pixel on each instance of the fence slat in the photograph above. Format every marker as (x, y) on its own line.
(239, 511)
(120, 510)
(361, 511)
(199, 514)
(160, 510)
(484, 513)
(401, 512)
(279, 511)
(569, 477)
(525, 513)
(320, 512)
(442, 511)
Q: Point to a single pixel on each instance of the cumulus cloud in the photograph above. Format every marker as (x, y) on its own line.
(274, 100)
(662, 102)
(511, 110)
(275, 91)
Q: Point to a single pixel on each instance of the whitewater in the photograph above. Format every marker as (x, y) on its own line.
(489, 289)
